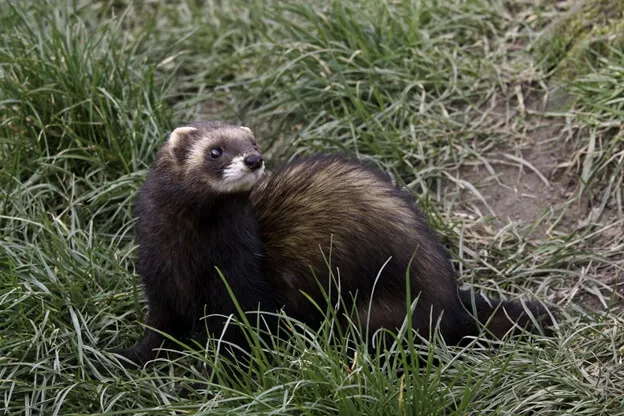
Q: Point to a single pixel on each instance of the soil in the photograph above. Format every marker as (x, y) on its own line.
(518, 192)
(535, 179)
(531, 178)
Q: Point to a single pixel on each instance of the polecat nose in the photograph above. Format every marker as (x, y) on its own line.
(253, 162)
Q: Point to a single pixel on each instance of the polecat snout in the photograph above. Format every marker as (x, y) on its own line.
(195, 212)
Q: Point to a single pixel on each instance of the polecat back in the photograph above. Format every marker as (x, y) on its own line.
(326, 213)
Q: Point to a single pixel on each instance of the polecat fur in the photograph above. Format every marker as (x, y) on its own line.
(279, 241)
(194, 216)
(330, 211)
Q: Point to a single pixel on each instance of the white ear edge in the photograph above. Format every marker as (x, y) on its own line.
(247, 129)
(177, 133)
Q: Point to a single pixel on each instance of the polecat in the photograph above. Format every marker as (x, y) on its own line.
(194, 216)
(195, 212)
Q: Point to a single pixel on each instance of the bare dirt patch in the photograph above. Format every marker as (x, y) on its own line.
(533, 180)
(528, 180)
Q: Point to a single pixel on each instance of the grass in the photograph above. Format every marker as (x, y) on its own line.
(437, 93)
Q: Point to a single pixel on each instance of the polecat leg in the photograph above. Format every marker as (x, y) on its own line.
(148, 348)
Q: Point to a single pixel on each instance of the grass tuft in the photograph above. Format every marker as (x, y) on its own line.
(600, 106)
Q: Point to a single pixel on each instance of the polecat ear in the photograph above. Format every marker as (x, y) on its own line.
(247, 129)
(179, 134)
(179, 142)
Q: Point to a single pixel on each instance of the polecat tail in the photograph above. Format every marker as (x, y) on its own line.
(502, 316)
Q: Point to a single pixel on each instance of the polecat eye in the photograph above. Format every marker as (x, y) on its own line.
(216, 152)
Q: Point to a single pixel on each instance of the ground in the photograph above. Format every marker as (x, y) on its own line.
(535, 182)
(502, 118)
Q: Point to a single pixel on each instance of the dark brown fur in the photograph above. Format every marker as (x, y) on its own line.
(277, 244)
(329, 209)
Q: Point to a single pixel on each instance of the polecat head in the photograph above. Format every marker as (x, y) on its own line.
(223, 157)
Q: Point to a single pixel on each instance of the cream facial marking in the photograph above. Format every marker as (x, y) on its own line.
(247, 129)
(197, 153)
(238, 176)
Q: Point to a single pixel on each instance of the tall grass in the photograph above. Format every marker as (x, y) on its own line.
(82, 115)
(600, 109)
(378, 78)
